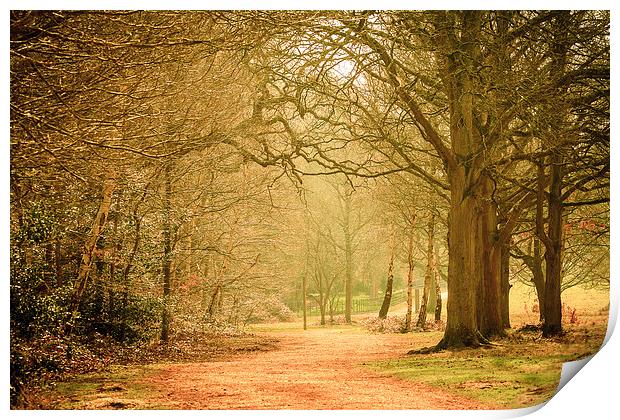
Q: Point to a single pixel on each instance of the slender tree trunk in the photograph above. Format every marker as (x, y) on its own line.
(538, 277)
(409, 281)
(49, 262)
(322, 309)
(505, 285)
(428, 276)
(213, 301)
(58, 261)
(111, 293)
(304, 287)
(322, 298)
(89, 247)
(374, 287)
(167, 260)
(417, 300)
(348, 259)
(190, 269)
(116, 248)
(98, 280)
(126, 282)
(432, 295)
(205, 276)
(220, 300)
(423, 304)
(304, 284)
(387, 299)
(438, 301)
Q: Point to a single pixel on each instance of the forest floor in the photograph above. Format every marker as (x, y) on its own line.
(281, 366)
(322, 368)
(336, 367)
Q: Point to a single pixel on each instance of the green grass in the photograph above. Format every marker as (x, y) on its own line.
(312, 324)
(117, 387)
(499, 380)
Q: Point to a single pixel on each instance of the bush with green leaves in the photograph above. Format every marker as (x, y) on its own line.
(127, 320)
(38, 303)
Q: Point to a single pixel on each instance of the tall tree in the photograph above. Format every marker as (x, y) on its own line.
(389, 284)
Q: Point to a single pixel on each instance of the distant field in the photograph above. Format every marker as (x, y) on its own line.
(590, 304)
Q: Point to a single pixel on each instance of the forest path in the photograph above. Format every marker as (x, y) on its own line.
(314, 369)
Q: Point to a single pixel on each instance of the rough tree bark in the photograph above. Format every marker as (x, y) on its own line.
(552, 324)
(456, 36)
(458, 58)
(490, 316)
(89, 247)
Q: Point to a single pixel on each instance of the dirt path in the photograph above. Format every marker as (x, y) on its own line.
(315, 369)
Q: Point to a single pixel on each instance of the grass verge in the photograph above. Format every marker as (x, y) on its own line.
(521, 371)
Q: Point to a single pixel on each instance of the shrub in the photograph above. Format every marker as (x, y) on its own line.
(391, 324)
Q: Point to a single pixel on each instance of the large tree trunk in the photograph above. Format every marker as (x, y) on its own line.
(552, 324)
(89, 247)
(464, 273)
(490, 318)
(458, 54)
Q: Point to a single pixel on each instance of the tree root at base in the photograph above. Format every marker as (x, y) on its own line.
(476, 341)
